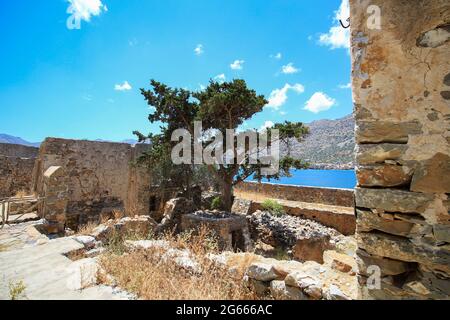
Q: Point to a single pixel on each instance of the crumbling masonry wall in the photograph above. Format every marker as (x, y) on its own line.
(16, 169)
(401, 91)
(101, 177)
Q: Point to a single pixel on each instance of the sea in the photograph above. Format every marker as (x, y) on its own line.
(345, 179)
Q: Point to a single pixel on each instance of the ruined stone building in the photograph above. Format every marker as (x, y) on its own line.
(400, 208)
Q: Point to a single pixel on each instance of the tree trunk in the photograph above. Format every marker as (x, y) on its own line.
(227, 195)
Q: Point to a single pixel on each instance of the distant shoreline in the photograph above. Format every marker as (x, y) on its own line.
(331, 166)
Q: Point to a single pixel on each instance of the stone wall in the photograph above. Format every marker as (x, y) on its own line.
(330, 196)
(17, 150)
(101, 178)
(16, 169)
(401, 92)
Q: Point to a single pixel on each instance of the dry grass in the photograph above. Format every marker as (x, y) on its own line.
(86, 229)
(22, 194)
(118, 214)
(145, 274)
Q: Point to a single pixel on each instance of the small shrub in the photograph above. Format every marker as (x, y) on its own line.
(17, 290)
(216, 204)
(275, 208)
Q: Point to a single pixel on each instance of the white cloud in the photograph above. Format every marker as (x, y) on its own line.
(220, 78)
(289, 69)
(237, 65)
(199, 50)
(123, 87)
(266, 125)
(319, 102)
(345, 86)
(277, 56)
(278, 97)
(283, 113)
(83, 10)
(338, 37)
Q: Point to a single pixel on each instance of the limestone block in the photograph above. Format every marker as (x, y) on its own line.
(261, 288)
(378, 153)
(334, 293)
(312, 248)
(280, 291)
(87, 241)
(399, 248)
(82, 274)
(433, 175)
(385, 131)
(368, 221)
(338, 261)
(388, 267)
(385, 175)
(262, 272)
(310, 285)
(392, 200)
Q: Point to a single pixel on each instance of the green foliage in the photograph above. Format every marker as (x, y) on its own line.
(221, 106)
(275, 208)
(17, 290)
(216, 204)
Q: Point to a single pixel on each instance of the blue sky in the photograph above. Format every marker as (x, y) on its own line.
(84, 83)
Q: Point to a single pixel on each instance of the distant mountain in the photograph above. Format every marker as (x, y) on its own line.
(6, 138)
(330, 142)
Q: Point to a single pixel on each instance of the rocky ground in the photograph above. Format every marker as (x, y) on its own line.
(75, 273)
(302, 239)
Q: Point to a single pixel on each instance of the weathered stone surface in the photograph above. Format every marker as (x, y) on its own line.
(15, 175)
(262, 272)
(442, 233)
(433, 175)
(402, 229)
(369, 220)
(140, 225)
(280, 291)
(384, 131)
(87, 241)
(174, 209)
(378, 153)
(435, 37)
(334, 293)
(387, 266)
(311, 249)
(307, 239)
(231, 229)
(392, 200)
(83, 274)
(99, 175)
(241, 206)
(383, 175)
(338, 261)
(259, 287)
(399, 248)
(310, 285)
